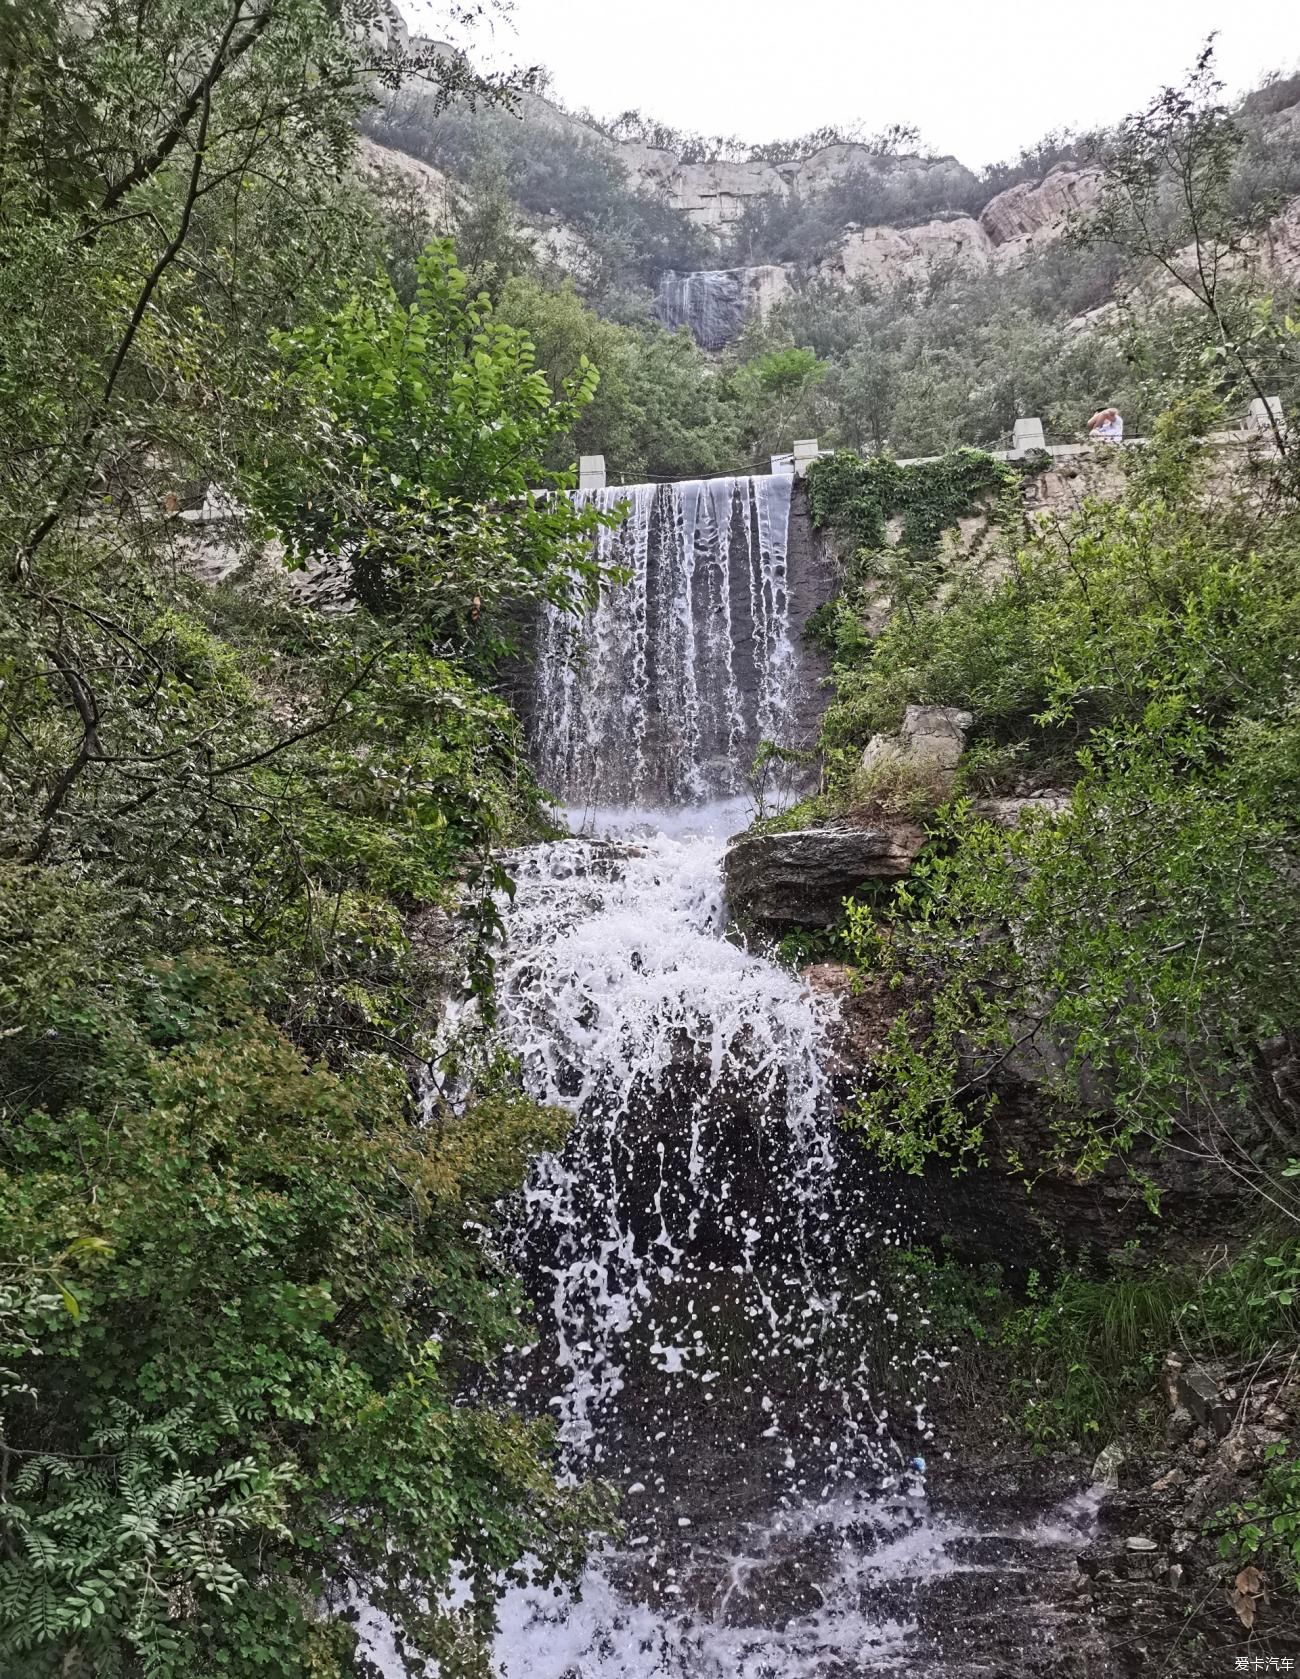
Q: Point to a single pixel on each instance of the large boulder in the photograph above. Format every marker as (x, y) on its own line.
(930, 743)
(776, 882)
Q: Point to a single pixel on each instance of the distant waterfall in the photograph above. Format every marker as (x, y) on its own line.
(663, 693)
(712, 303)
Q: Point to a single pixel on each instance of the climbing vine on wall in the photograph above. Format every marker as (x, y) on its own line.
(857, 497)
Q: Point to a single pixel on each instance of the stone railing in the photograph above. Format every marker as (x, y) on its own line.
(1028, 438)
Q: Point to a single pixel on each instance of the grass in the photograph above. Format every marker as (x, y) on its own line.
(1082, 1354)
(1242, 1309)
(1088, 1351)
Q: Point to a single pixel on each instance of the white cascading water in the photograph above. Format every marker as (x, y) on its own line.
(711, 303)
(701, 1255)
(661, 696)
(624, 1002)
(693, 1254)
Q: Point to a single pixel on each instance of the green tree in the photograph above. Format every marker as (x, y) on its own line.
(660, 411)
(1168, 203)
(242, 1300)
(435, 431)
(776, 394)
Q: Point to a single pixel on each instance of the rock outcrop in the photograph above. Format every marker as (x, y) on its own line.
(1021, 219)
(929, 741)
(1280, 246)
(1010, 810)
(1035, 213)
(776, 882)
(431, 186)
(553, 242)
(715, 194)
(886, 256)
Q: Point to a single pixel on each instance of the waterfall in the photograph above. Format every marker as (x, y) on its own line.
(697, 1258)
(623, 1002)
(663, 693)
(712, 303)
(700, 1261)
(716, 1333)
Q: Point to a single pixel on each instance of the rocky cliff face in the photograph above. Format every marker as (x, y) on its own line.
(714, 195)
(1281, 243)
(1025, 217)
(714, 304)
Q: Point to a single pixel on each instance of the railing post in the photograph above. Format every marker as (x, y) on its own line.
(591, 472)
(1265, 413)
(805, 453)
(1027, 435)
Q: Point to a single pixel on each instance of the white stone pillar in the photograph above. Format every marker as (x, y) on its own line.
(1027, 435)
(591, 472)
(805, 453)
(1261, 408)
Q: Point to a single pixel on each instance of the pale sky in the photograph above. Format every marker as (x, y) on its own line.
(978, 80)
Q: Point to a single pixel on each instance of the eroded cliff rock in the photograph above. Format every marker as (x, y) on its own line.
(714, 194)
(1034, 213)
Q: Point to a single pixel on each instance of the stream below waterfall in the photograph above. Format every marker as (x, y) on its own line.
(717, 1334)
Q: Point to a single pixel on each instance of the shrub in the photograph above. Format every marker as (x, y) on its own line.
(1266, 1528)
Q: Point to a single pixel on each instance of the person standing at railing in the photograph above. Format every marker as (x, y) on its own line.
(1107, 426)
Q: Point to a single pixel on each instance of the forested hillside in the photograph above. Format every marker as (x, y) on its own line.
(869, 336)
(247, 851)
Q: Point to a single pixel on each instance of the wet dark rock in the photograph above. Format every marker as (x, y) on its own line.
(987, 1214)
(1202, 1393)
(774, 1595)
(1154, 1568)
(779, 881)
(715, 303)
(1281, 1060)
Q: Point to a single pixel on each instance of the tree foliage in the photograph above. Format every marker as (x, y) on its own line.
(438, 428)
(247, 850)
(1172, 202)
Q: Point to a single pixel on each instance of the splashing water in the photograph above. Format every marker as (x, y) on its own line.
(694, 1070)
(694, 1255)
